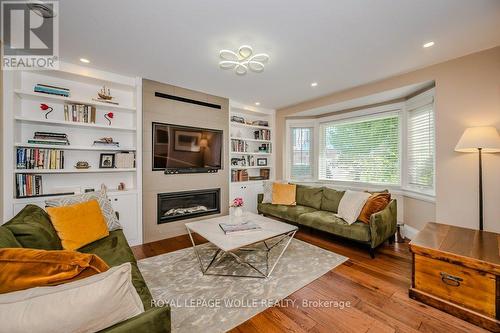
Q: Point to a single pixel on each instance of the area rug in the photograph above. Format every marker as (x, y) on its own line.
(208, 303)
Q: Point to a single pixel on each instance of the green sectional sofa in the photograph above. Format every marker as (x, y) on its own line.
(31, 228)
(316, 208)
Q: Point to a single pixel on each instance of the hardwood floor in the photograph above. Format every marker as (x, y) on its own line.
(377, 290)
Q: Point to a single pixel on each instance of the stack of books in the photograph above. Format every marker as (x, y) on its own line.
(35, 158)
(125, 160)
(51, 90)
(105, 143)
(239, 175)
(79, 113)
(28, 185)
(49, 138)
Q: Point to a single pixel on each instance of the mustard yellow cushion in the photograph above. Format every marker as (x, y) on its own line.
(27, 268)
(79, 224)
(284, 194)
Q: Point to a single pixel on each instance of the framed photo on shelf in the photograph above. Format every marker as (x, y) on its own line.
(262, 162)
(107, 161)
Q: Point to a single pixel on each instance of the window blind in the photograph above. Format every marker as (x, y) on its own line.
(361, 149)
(420, 148)
(301, 154)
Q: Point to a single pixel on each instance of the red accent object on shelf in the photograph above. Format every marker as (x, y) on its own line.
(45, 107)
(109, 116)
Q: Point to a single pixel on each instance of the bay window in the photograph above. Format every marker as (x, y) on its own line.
(301, 153)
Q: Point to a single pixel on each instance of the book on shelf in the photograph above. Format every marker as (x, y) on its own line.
(49, 138)
(239, 146)
(80, 113)
(51, 90)
(239, 175)
(39, 158)
(263, 134)
(238, 228)
(28, 185)
(260, 123)
(125, 160)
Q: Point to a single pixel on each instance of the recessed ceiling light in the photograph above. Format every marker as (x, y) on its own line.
(257, 103)
(86, 61)
(314, 84)
(428, 44)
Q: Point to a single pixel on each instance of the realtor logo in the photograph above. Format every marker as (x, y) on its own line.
(30, 35)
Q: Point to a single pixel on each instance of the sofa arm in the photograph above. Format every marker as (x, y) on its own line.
(260, 197)
(156, 320)
(383, 224)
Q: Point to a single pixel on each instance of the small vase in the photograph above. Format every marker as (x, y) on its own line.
(238, 211)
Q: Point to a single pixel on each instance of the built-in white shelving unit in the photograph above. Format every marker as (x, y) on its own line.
(23, 117)
(248, 163)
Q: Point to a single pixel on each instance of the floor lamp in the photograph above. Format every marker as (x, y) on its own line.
(482, 140)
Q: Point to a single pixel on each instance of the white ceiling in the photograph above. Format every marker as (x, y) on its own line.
(337, 43)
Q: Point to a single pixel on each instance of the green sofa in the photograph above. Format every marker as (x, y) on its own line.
(316, 208)
(31, 228)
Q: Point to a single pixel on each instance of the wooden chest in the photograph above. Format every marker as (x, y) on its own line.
(457, 270)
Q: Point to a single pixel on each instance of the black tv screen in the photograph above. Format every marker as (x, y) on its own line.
(184, 147)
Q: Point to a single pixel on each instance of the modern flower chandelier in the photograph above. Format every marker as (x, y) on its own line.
(243, 60)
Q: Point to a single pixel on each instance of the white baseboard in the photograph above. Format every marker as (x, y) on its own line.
(409, 232)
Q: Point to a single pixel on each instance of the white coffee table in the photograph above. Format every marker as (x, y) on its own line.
(272, 234)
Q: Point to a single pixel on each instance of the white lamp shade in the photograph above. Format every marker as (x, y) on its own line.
(486, 138)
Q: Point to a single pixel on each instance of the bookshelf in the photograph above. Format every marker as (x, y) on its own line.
(250, 166)
(23, 118)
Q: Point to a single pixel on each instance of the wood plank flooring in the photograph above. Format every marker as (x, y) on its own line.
(377, 290)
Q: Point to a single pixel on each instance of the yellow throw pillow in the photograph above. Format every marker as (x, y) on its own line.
(284, 194)
(27, 268)
(79, 224)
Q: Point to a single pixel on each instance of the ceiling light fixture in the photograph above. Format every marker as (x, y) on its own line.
(243, 60)
(428, 44)
(87, 61)
(314, 84)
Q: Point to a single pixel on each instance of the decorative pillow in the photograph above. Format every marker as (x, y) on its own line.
(268, 192)
(32, 228)
(79, 224)
(331, 199)
(351, 205)
(27, 268)
(284, 194)
(375, 203)
(102, 199)
(86, 305)
(309, 196)
(7, 238)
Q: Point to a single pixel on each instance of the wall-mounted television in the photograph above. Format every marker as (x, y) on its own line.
(185, 149)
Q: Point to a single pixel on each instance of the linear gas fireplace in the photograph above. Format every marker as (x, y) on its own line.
(176, 206)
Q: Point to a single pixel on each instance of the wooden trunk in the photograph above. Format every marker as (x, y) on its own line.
(457, 270)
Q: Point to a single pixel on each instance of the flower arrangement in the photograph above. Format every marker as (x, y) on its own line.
(237, 202)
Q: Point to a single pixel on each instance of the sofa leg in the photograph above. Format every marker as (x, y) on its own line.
(372, 252)
(392, 239)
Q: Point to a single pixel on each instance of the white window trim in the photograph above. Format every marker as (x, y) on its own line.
(400, 107)
(293, 123)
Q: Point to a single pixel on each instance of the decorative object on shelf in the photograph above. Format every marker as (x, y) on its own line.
(264, 148)
(262, 162)
(107, 161)
(260, 123)
(105, 96)
(264, 173)
(243, 60)
(88, 190)
(482, 140)
(109, 116)
(121, 186)
(237, 205)
(125, 160)
(45, 107)
(51, 90)
(237, 119)
(106, 142)
(82, 165)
